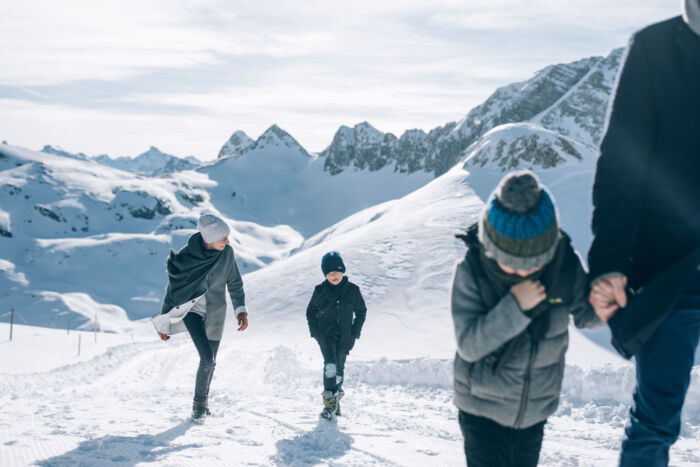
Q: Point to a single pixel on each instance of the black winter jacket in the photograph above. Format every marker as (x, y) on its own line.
(646, 194)
(346, 313)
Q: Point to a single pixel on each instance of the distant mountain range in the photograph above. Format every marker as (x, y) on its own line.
(80, 233)
(569, 98)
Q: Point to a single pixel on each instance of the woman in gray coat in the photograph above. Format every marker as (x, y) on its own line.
(195, 299)
(511, 300)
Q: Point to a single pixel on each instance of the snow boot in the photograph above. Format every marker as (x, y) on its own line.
(338, 395)
(199, 413)
(329, 405)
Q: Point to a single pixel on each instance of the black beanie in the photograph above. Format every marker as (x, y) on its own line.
(332, 261)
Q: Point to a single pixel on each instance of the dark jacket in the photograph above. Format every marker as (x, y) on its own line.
(329, 311)
(526, 390)
(646, 195)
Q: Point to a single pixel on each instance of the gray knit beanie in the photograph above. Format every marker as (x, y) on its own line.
(519, 227)
(212, 228)
(691, 14)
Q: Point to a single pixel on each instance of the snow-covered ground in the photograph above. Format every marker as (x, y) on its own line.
(129, 405)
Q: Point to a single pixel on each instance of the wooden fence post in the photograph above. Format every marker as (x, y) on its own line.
(12, 321)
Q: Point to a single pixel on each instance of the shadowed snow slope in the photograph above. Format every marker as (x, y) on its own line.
(275, 181)
(74, 228)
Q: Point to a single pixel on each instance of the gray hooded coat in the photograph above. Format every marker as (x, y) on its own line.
(526, 390)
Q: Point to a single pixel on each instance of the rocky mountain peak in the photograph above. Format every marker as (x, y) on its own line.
(277, 137)
(236, 144)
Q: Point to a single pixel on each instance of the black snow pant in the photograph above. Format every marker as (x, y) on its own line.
(207, 355)
(489, 444)
(333, 362)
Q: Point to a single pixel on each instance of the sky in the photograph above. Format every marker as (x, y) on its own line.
(117, 76)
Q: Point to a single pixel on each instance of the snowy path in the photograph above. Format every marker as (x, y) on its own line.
(130, 406)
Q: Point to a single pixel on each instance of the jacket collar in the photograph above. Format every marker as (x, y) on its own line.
(688, 41)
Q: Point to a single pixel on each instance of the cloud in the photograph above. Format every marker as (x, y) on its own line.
(185, 74)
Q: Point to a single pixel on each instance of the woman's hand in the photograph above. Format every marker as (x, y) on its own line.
(164, 337)
(242, 318)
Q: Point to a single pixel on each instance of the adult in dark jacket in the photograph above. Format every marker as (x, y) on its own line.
(646, 217)
(335, 314)
(195, 299)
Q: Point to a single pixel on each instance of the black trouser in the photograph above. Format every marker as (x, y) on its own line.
(207, 355)
(489, 444)
(333, 362)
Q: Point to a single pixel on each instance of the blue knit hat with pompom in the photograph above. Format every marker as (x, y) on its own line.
(519, 227)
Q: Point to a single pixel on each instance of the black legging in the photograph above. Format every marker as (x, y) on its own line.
(207, 355)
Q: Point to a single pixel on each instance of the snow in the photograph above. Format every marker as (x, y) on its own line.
(276, 182)
(108, 317)
(72, 226)
(235, 144)
(152, 162)
(38, 350)
(9, 269)
(89, 243)
(266, 393)
(125, 402)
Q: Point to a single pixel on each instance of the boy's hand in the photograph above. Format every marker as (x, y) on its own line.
(529, 294)
(242, 321)
(164, 337)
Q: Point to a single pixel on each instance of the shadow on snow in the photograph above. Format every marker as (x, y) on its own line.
(122, 450)
(322, 444)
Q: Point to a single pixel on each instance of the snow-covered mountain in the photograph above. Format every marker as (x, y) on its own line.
(568, 98)
(65, 219)
(235, 144)
(151, 163)
(80, 239)
(276, 181)
(58, 151)
(77, 235)
(398, 405)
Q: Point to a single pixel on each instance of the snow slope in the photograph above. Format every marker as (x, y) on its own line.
(129, 405)
(82, 238)
(126, 402)
(565, 166)
(151, 163)
(276, 181)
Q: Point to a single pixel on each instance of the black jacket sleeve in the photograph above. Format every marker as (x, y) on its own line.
(360, 314)
(311, 314)
(624, 164)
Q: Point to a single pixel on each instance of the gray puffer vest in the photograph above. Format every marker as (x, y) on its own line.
(526, 389)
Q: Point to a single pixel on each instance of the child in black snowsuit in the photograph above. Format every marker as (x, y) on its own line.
(335, 315)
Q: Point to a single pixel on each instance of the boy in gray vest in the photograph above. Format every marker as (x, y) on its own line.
(511, 300)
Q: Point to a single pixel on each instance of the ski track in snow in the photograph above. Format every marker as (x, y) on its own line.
(130, 406)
